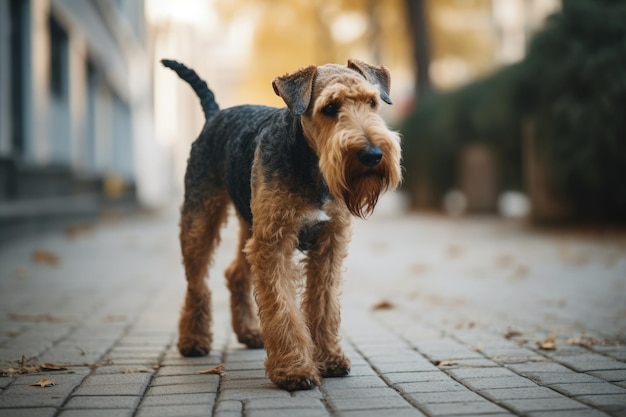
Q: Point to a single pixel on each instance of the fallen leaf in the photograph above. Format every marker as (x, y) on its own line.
(9, 371)
(134, 370)
(383, 305)
(218, 369)
(547, 344)
(455, 251)
(466, 325)
(24, 368)
(106, 362)
(47, 366)
(589, 341)
(510, 333)
(45, 257)
(76, 230)
(43, 383)
(584, 340)
(445, 363)
(36, 318)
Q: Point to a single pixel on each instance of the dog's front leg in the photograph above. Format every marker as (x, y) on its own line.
(321, 302)
(277, 216)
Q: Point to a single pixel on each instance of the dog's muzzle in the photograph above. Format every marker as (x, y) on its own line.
(370, 155)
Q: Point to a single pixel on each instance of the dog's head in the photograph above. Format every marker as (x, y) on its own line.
(338, 106)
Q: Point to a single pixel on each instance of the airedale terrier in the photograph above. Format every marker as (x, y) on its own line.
(295, 176)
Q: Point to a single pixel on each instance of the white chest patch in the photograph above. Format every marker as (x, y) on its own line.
(315, 217)
(310, 228)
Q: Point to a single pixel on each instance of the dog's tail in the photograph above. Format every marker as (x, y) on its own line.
(207, 98)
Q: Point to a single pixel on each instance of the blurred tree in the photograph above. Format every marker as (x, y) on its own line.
(418, 29)
(571, 84)
(461, 41)
(289, 34)
(574, 87)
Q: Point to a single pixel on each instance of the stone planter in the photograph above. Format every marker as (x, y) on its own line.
(547, 204)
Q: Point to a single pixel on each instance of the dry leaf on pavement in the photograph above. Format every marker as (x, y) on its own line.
(24, 368)
(383, 305)
(36, 317)
(547, 344)
(47, 366)
(218, 369)
(584, 340)
(76, 230)
(43, 383)
(27, 369)
(134, 370)
(446, 363)
(510, 333)
(45, 257)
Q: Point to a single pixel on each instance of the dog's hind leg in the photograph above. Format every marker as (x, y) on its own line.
(242, 305)
(199, 236)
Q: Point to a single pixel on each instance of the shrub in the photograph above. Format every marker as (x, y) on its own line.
(572, 83)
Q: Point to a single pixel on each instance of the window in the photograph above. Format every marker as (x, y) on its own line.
(58, 58)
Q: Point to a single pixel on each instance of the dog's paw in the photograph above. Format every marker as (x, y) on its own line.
(297, 383)
(252, 339)
(194, 348)
(335, 367)
(295, 379)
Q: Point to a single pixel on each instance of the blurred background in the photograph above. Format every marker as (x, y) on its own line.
(508, 107)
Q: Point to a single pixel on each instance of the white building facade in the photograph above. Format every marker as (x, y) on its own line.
(76, 100)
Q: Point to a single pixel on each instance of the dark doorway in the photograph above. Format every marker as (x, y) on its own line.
(17, 75)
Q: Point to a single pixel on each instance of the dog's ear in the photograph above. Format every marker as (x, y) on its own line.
(378, 76)
(295, 89)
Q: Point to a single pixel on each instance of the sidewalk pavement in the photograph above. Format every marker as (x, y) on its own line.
(440, 318)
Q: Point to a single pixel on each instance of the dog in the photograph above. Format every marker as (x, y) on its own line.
(296, 176)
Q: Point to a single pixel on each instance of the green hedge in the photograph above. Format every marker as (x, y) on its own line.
(442, 124)
(572, 83)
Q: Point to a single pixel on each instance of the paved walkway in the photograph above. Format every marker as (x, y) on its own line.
(441, 317)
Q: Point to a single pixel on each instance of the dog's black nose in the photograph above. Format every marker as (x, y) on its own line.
(370, 155)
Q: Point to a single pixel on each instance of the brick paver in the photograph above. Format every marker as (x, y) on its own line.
(469, 300)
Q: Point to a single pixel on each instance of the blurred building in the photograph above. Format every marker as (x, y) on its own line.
(75, 107)
(472, 39)
(514, 24)
(191, 32)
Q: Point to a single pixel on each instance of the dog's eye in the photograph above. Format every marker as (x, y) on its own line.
(372, 103)
(330, 110)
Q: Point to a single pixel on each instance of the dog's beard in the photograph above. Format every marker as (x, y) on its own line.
(362, 197)
(364, 187)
